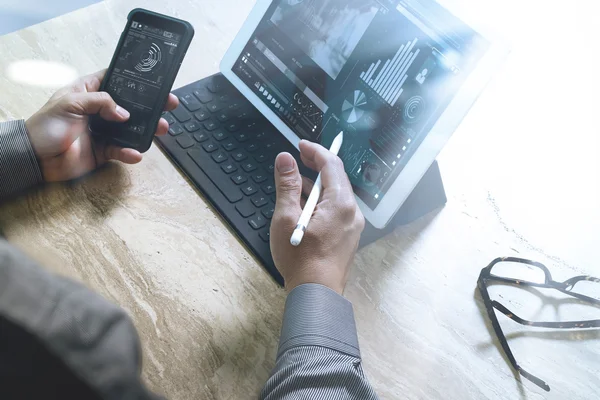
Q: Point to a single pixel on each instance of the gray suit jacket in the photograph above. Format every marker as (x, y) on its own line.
(60, 340)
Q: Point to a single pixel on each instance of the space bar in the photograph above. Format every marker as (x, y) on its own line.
(218, 177)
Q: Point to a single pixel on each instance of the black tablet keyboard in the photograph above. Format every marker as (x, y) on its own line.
(227, 149)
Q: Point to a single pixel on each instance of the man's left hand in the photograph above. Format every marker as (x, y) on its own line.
(60, 136)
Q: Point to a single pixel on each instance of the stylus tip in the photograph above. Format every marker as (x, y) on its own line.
(297, 237)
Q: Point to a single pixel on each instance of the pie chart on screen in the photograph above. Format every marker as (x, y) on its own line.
(353, 107)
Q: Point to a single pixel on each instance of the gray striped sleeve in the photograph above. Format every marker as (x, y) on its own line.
(318, 355)
(19, 168)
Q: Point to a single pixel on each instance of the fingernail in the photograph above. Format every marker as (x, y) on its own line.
(285, 163)
(122, 112)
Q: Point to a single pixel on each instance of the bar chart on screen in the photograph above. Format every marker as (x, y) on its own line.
(388, 81)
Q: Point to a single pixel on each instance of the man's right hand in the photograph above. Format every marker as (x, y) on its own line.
(331, 239)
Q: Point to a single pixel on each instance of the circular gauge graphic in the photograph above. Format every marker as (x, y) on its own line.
(149, 58)
(414, 109)
(371, 173)
(353, 107)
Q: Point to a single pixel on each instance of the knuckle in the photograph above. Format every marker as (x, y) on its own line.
(68, 98)
(360, 221)
(284, 218)
(348, 207)
(287, 184)
(104, 97)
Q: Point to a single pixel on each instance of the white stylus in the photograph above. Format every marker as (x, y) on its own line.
(313, 199)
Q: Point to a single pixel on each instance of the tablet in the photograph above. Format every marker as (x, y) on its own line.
(397, 77)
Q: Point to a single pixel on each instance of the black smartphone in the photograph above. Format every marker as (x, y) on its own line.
(141, 75)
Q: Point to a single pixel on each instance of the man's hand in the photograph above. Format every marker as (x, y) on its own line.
(332, 236)
(60, 136)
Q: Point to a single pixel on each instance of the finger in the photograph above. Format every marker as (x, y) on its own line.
(318, 158)
(127, 156)
(95, 103)
(307, 186)
(288, 184)
(88, 83)
(92, 82)
(162, 128)
(308, 162)
(172, 102)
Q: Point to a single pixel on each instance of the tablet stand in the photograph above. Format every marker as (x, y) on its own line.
(428, 195)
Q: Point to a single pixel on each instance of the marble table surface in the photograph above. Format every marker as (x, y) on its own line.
(522, 174)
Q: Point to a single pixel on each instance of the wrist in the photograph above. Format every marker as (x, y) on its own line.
(293, 282)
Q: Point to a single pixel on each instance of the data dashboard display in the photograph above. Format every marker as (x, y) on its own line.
(382, 71)
(140, 70)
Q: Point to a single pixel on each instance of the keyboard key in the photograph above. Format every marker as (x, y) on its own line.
(229, 168)
(214, 107)
(239, 156)
(249, 189)
(261, 135)
(181, 114)
(190, 102)
(244, 115)
(229, 145)
(175, 130)
(209, 147)
(271, 168)
(169, 118)
(245, 209)
(192, 126)
(269, 188)
(265, 235)
(224, 98)
(203, 96)
(211, 125)
(252, 147)
(230, 191)
(222, 117)
(219, 157)
(259, 200)
(234, 106)
(185, 142)
(268, 211)
(201, 137)
(202, 115)
(239, 179)
(259, 177)
(241, 137)
(220, 135)
(232, 127)
(270, 145)
(216, 85)
(260, 157)
(249, 166)
(257, 222)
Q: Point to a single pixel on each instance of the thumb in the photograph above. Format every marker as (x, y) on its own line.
(288, 182)
(95, 103)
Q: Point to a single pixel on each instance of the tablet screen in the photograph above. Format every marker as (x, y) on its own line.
(382, 71)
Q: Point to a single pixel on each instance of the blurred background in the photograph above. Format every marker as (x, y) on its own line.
(18, 14)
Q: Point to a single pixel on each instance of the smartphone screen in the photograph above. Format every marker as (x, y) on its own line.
(140, 71)
(141, 74)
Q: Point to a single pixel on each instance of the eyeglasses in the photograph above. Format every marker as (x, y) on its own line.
(518, 271)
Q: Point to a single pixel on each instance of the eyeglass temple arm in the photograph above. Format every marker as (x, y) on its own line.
(556, 325)
(534, 379)
(502, 338)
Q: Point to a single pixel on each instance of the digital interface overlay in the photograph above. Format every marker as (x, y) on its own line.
(139, 73)
(383, 71)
